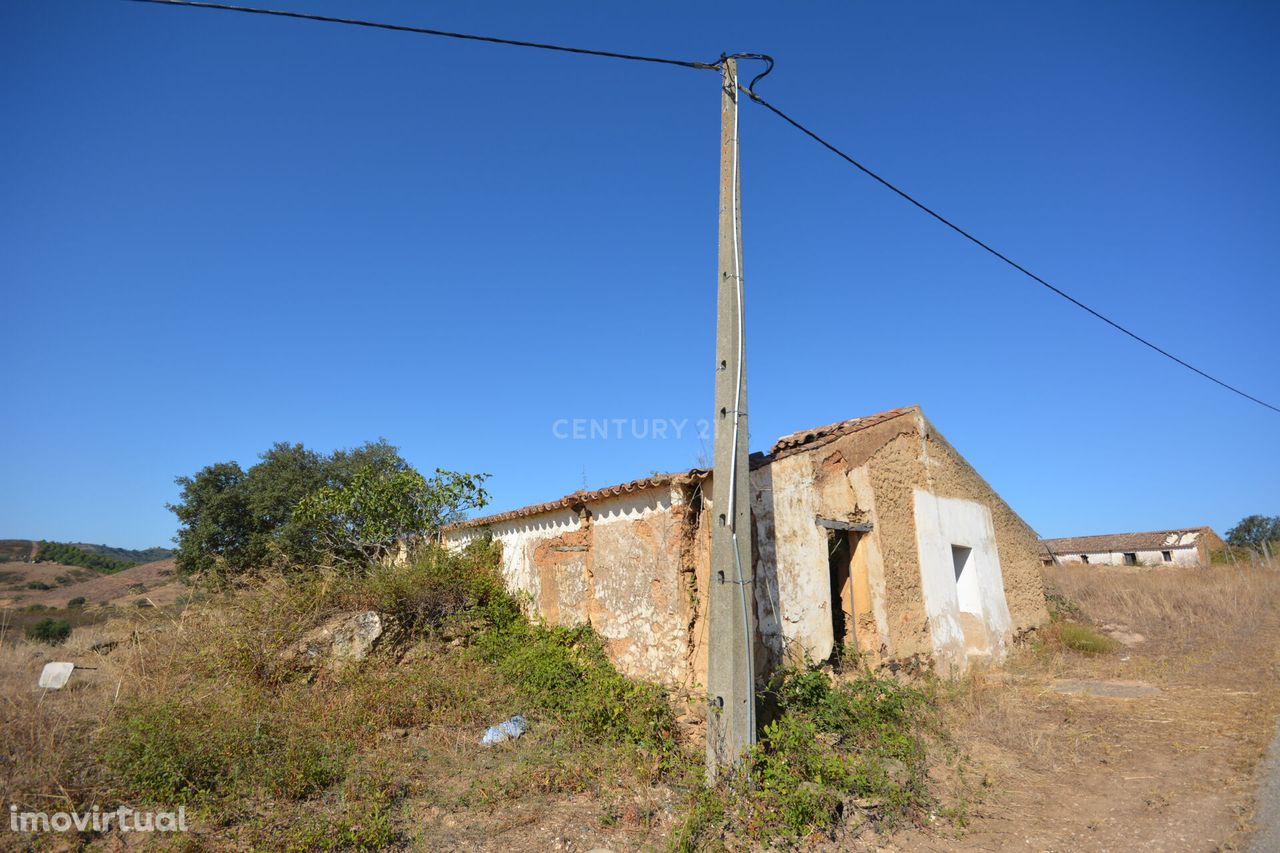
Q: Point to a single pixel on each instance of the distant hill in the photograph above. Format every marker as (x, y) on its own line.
(146, 555)
(100, 558)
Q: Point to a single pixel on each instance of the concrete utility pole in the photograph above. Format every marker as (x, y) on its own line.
(731, 727)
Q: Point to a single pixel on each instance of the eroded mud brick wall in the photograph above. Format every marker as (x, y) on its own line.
(790, 493)
(623, 564)
(923, 460)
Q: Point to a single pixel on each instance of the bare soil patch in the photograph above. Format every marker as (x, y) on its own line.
(154, 581)
(15, 576)
(1164, 758)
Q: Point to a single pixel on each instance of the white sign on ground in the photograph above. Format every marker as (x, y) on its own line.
(55, 674)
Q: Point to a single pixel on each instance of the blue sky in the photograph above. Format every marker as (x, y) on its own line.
(218, 231)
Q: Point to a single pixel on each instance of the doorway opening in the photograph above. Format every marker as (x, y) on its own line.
(839, 565)
(853, 621)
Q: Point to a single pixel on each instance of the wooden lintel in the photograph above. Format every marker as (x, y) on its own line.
(833, 524)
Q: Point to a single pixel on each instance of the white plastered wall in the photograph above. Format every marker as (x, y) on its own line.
(942, 523)
(1180, 557)
(793, 602)
(519, 538)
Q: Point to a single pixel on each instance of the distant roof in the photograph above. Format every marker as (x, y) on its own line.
(1153, 540)
(784, 446)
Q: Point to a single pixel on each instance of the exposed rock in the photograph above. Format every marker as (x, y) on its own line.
(345, 638)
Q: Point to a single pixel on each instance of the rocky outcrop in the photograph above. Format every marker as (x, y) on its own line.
(342, 639)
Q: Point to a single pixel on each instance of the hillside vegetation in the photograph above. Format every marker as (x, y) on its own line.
(137, 556)
(71, 555)
(99, 558)
(272, 748)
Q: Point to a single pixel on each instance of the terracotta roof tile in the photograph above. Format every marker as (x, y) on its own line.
(818, 436)
(581, 497)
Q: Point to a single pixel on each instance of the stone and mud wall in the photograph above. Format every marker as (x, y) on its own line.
(873, 476)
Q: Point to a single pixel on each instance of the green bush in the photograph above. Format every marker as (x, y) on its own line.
(834, 749)
(564, 672)
(364, 824)
(51, 631)
(1082, 638)
(38, 585)
(76, 603)
(436, 588)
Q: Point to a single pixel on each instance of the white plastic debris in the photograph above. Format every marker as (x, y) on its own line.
(507, 730)
(55, 674)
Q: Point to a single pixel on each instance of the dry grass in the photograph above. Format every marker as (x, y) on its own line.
(199, 706)
(46, 737)
(1181, 606)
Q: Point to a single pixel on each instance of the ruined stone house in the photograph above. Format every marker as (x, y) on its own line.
(1193, 546)
(872, 533)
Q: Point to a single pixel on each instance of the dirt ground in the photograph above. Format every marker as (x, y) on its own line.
(1162, 755)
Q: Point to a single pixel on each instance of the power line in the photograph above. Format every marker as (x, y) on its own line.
(1017, 266)
(356, 22)
(749, 90)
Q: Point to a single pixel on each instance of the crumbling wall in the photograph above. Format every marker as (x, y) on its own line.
(637, 566)
(521, 539)
(625, 565)
(831, 481)
(639, 598)
(951, 475)
(871, 476)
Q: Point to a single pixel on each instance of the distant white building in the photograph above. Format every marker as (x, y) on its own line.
(1187, 547)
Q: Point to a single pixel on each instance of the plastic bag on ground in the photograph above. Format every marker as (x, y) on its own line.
(506, 730)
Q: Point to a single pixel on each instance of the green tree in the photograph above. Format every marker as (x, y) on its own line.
(70, 555)
(231, 520)
(1253, 530)
(382, 505)
(216, 527)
